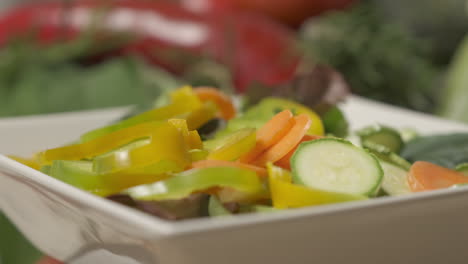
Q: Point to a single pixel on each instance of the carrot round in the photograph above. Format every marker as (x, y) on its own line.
(284, 161)
(270, 133)
(425, 176)
(221, 163)
(224, 103)
(302, 123)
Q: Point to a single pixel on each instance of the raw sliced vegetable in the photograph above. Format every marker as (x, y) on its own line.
(278, 104)
(408, 134)
(336, 165)
(287, 143)
(446, 150)
(222, 163)
(28, 162)
(191, 138)
(462, 168)
(383, 136)
(233, 146)
(198, 154)
(259, 114)
(183, 101)
(383, 153)
(425, 176)
(198, 180)
(285, 194)
(395, 180)
(200, 116)
(335, 123)
(270, 133)
(80, 174)
(101, 145)
(167, 151)
(263, 209)
(224, 103)
(284, 162)
(216, 208)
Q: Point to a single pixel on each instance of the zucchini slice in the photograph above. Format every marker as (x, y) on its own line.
(336, 165)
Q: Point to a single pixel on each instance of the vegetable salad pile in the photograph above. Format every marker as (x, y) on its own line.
(198, 156)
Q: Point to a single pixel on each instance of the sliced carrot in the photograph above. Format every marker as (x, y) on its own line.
(425, 176)
(221, 163)
(302, 123)
(270, 133)
(284, 161)
(224, 103)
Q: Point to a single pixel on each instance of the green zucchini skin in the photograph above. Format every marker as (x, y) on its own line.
(366, 158)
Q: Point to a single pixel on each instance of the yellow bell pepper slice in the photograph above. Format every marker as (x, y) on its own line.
(201, 116)
(316, 127)
(285, 194)
(167, 150)
(234, 145)
(28, 162)
(192, 138)
(183, 100)
(100, 145)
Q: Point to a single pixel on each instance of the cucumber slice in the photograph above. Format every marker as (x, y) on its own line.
(463, 168)
(395, 179)
(384, 154)
(408, 134)
(336, 165)
(383, 136)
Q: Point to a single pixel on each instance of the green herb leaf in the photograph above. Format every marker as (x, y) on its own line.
(445, 150)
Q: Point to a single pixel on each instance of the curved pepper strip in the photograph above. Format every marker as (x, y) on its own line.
(285, 194)
(234, 145)
(81, 175)
(100, 145)
(201, 116)
(167, 150)
(183, 101)
(192, 138)
(28, 162)
(198, 180)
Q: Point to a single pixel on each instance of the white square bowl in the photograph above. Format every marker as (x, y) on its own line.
(78, 227)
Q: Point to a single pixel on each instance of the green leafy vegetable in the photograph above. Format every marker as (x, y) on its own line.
(444, 150)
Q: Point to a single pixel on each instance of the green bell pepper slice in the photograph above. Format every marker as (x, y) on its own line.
(198, 180)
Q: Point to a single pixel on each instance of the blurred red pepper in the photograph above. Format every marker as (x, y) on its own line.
(167, 34)
(48, 260)
(291, 12)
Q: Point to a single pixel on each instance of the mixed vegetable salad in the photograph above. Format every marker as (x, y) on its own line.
(198, 155)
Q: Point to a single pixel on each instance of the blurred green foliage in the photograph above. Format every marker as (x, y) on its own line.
(380, 60)
(14, 248)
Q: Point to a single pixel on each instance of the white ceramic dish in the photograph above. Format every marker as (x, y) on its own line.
(78, 227)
